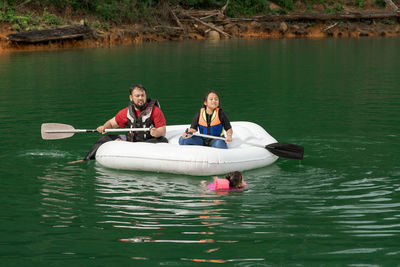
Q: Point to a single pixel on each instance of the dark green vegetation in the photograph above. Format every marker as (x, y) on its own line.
(42, 14)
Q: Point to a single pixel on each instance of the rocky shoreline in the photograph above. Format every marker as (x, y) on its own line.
(191, 27)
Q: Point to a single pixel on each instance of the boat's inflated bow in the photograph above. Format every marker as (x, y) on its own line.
(192, 160)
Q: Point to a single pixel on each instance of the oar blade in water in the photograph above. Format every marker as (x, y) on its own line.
(286, 150)
(52, 131)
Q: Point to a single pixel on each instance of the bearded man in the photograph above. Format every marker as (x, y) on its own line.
(142, 112)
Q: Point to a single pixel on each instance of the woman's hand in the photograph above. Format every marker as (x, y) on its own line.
(229, 134)
(188, 133)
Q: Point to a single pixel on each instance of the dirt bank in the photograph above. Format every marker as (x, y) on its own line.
(288, 26)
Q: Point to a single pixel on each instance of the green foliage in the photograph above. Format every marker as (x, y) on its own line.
(246, 7)
(51, 18)
(381, 3)
(2, 16)
(286, 4)
(199, 4)
(309, 4)
(276, 12)
(109, 12)
(18, 22)
(123, 10)
(131, 11)
(28, 21)
(337, 7)
(96, 24)
(128, 11)
(16, 27)
(7, 14)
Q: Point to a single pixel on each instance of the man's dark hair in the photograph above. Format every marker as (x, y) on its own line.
(209, 92)
(141, 87)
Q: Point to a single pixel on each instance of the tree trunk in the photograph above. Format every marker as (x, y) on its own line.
(323, 17)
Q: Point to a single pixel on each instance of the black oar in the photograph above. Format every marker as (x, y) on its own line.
(283, 150)
(51, 131)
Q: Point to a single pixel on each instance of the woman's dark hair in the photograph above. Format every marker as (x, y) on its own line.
(209, 92)
(136, 86)
(235, 179)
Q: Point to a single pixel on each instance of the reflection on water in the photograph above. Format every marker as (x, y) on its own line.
(46, 154)
(165, 206)
(59, 195)
(152, 201)
(174, 210)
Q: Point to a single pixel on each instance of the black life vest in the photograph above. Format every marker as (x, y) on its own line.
(142, 121)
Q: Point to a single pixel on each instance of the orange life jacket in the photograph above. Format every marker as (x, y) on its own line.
(214, 128)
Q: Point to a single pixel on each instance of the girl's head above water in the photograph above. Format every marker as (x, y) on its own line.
(235, 179)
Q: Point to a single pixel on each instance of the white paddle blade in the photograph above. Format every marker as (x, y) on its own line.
(52, 131)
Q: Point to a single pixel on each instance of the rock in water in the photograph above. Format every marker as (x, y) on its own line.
(213, 35)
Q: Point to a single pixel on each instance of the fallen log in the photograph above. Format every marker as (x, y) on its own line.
(391, 5)
(323, 17)
(330, 27)
(178, 22)
(207, 25)
(61, 33)
(199, 13)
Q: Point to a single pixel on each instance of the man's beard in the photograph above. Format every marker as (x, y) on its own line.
(139, 107)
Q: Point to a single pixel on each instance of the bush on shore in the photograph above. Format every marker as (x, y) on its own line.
(42, 14)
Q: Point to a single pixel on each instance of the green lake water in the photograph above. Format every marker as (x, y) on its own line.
(340, 206)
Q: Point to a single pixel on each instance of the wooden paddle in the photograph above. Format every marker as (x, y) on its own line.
(51, 131)
(283, 150)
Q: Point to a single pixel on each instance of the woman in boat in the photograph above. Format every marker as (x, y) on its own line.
(210, 120)
(232, 181)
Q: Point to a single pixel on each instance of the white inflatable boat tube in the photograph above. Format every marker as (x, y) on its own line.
(191, 160)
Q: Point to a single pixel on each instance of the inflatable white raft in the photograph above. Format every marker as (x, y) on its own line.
(192, 160)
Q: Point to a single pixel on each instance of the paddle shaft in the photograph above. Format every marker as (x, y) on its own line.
(94, 130)
(283, 150)
(222, 138)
